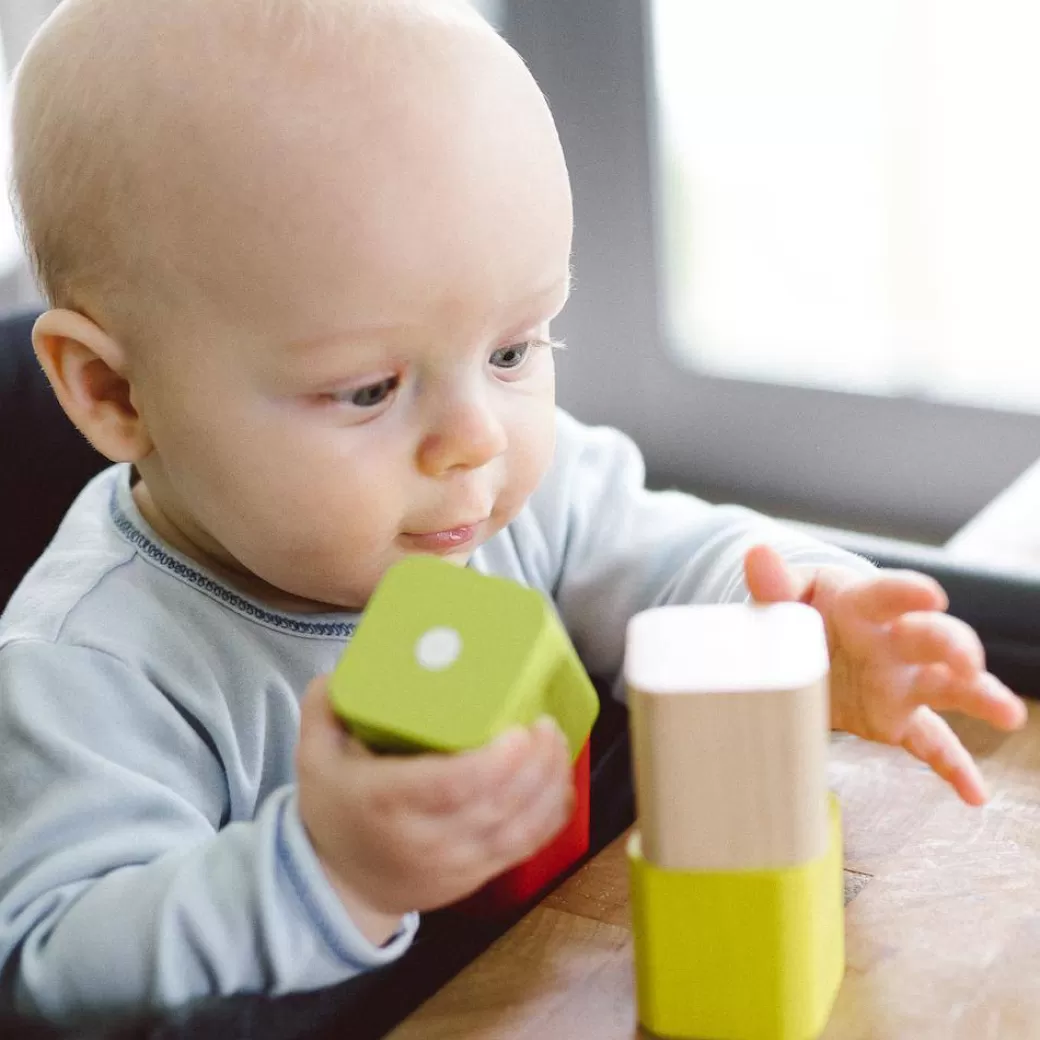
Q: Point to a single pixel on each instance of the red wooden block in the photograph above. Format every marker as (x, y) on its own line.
(521, 884)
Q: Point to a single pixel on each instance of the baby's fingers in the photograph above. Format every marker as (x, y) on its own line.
(895, 593)
(448, 784)
(471, 782)
(927, 637)
(511, 821)
(982, 696)
(535, 824)
(324, 741)
(930, 739)
(530, 812)
(548, 765)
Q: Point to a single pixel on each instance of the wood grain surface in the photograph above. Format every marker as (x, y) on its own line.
(943, 922)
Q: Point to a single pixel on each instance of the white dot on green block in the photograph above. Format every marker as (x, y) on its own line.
(438, 649)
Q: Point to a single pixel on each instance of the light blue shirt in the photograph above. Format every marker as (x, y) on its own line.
(151, 849)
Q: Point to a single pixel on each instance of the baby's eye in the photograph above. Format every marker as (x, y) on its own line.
(370, 396)
(510, 357)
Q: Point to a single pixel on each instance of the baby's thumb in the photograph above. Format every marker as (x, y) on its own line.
(322, 732)
(769, 578)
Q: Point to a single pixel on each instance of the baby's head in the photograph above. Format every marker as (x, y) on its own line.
(303, 256)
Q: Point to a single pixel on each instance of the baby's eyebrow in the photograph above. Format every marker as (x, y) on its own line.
(566, 283)
(358, 334)
(560, 289)
(379, 332)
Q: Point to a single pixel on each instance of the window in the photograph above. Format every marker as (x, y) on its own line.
(828, 347)
(850, 195)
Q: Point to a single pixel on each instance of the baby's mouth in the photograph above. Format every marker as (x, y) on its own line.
(445, 541)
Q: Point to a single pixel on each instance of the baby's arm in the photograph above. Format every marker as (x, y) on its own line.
(609, 548)
(120, 886)
(123, 888)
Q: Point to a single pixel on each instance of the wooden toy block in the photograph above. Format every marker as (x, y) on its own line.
(729, 718)
(736, 868)
(739, 954)
(444, 659)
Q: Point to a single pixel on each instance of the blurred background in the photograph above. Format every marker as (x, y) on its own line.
(808, 243)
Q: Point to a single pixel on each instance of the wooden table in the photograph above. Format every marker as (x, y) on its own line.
(942, 917)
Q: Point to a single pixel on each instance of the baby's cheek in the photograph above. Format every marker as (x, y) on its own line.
(538, 455)
(524, 480)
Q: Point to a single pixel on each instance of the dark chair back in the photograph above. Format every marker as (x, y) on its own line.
(44, 460)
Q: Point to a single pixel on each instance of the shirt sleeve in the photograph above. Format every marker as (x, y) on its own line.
(122, 885)
(610, 548)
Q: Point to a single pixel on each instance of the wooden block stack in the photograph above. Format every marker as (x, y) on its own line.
(736, 869)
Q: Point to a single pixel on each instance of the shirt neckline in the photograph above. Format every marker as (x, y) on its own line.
(134, 529)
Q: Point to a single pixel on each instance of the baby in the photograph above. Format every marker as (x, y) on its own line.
(303, 257)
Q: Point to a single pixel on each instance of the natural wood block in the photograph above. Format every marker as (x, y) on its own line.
(729, 717)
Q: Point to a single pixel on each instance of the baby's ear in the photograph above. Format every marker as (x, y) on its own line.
(87, 369)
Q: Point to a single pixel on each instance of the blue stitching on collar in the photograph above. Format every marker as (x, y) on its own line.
(141, 541)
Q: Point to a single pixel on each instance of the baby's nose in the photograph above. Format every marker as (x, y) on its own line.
(468, 435)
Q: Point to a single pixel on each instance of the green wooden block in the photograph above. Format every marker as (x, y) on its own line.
(445, 659)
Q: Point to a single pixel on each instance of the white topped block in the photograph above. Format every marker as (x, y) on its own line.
(730, 720)
(726, 648)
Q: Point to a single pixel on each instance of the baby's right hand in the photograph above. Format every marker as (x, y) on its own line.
(400, 833)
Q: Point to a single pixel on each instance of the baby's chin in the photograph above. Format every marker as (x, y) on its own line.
(299, 597)
(302, 593)
(460, 558)
(298, 592)
(314, 601)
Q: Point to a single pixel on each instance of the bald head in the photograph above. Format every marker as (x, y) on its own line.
(163, 150)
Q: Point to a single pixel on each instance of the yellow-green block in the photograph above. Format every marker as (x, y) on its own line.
(742, 955)
(445, 659)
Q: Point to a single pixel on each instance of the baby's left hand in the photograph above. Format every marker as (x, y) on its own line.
(896, 659)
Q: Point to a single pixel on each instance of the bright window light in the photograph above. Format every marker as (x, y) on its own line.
(851, 193)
